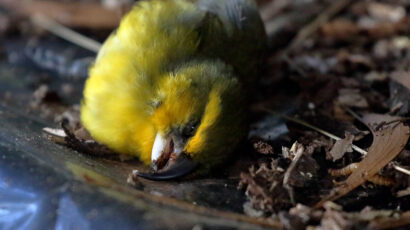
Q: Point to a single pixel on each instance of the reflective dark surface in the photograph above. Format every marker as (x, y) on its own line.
(47, 186)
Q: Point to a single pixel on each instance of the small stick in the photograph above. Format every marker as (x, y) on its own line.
(401, 169)
(299, 152)
(65, 33)
(298, 121)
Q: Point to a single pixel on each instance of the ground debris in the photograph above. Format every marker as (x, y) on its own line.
(263, 147)
(341, 147)
(270, 185)
(264, 187)
(390, 137)
(334, 217)
(43, 95)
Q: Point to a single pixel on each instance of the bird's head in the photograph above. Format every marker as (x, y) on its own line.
(198, 119)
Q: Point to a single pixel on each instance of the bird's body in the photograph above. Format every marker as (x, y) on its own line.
(173, 68)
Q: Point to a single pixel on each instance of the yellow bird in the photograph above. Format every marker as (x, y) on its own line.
(169, 85)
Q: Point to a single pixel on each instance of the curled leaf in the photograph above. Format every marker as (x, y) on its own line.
(389, 138)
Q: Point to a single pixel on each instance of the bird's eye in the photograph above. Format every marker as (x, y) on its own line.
(189, 130)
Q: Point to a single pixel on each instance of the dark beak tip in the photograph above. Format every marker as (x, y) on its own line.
(183, 166)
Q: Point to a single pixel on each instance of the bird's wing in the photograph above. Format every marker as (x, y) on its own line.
(233, 31)
(234, 14)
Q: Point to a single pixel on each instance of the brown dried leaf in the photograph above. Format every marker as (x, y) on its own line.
(341, 147)
(388, 141)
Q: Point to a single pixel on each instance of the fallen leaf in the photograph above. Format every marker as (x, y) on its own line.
(388, 141)
(341, 147)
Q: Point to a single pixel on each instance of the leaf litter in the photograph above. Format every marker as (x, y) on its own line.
(345, 171)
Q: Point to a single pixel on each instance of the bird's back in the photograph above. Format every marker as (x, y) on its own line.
(235, 33)
(166, 33)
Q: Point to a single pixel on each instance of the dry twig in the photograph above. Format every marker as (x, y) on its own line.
(65, 33)
(76, 14)
(298, 121)
(298, 149)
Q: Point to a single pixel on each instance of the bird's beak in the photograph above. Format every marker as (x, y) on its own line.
(168, 160)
